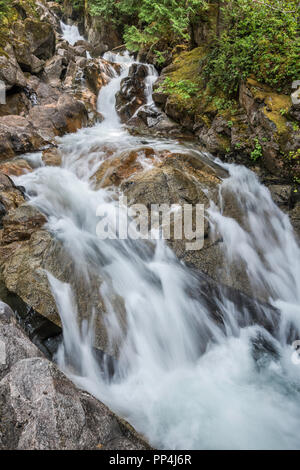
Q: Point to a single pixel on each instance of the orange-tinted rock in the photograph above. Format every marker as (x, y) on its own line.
(21, 223)
(114, 170)
(15, 167)
(52, 157)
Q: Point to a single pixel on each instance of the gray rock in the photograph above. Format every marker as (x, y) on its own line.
(41, 409)
(10, 72)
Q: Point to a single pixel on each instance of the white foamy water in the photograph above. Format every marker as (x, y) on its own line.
(181, 379)
(71, 33)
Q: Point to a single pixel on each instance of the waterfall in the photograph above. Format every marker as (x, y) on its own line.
(181, 379)
(71, 33)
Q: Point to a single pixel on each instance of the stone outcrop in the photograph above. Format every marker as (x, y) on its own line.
(42, 410)
(66, 116)
(51, 88)
(132, 92)
(10, 71)
(17, 136)
(258, 128)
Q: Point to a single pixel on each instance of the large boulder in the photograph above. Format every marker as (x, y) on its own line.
(132, 92)
(28, 61)
(54, 68)
(15, 167)
(38, 35)
(42, 410)
(28, 252)
(10, 71)
(17, 136)
(148, 178)
(43, 92)
(98, 73)
(67, 115)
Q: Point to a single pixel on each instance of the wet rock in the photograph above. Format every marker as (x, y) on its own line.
(21, 224)
(15, 167)
(10, 71)
(52, 157)
(54, 69)
(28, 252)
(178, 179)
(98, 73)
(132, 93)
(51, 120)
(151, 120)
(17, 136)
(42, 409)
(80, 51)
(44, 93)
(115, 170)
(11, 196)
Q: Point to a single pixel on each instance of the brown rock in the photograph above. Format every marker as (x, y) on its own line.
(21, 223)
(10, 196)
(10, 72)
(52, 157)
(132, 93)
(68, 115)
(98, 73)
(114, 170)
(17, 136)
(15, 167)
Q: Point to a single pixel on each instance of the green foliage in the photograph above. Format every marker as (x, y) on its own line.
(78, 4)
(184, 89)
(293, 155)
(259, 38)
(148, 21)
(257, 152)
(4, 7)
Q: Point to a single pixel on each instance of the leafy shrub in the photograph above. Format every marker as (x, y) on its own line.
(259, 38)
(257, 152)
(4, 7)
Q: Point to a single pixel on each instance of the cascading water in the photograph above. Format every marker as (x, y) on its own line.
(71, 33)
(181, 379)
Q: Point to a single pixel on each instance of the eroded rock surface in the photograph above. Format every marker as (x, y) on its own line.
(40, 407)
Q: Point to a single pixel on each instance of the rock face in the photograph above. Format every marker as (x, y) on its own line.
(51, 89)
(101, 33)
(259, 127)
(133, 107)
(42, 410)
(132, 93)
(28, 252)
(10, 71)
(17, 136)
(39, 36)
(67, 116)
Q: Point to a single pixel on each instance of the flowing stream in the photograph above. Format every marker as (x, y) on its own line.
(182, 380)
